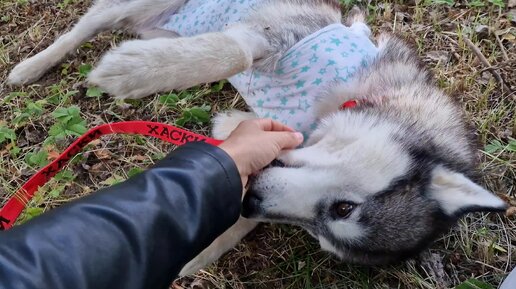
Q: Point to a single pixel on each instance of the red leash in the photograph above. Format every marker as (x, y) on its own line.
(15, 205)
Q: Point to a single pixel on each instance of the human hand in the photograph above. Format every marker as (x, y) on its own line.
(256, 143)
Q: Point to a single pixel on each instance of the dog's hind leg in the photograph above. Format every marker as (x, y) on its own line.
(103, 15)
(139, 68)
(100, 16)
(221, 245)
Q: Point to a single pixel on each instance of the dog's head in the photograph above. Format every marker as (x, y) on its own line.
(378, 184)
(368, 198)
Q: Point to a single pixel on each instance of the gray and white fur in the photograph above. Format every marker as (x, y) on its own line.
(373, 184)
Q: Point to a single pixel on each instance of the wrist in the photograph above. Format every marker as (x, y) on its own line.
(233, 153)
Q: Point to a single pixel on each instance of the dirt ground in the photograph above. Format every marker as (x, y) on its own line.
(478, 73)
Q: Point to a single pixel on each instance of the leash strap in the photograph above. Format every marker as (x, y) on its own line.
(15, 205)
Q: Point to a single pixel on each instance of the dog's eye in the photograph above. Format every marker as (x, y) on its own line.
(343, 210)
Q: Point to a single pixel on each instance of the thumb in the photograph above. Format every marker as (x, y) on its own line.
(287, 140)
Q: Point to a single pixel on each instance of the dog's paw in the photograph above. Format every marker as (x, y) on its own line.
(224, 123)
(28, 71)
(192, 267)
(127, 72)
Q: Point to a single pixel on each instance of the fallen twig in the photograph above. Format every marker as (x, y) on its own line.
(486, 63)
(504, 53)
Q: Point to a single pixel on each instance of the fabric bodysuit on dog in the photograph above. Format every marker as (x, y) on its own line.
(303, 74)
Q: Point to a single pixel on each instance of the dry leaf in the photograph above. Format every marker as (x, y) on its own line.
(96, 167)
(439, 56)
(176, 286)
(507, 199)
(52, 155)
(102, 154)
(140, 158)
(95, 142)
(9, 146)
(511, 211)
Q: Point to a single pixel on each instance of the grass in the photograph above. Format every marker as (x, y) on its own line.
(38, 121)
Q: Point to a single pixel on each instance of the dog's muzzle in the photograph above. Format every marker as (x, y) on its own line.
(251, 206)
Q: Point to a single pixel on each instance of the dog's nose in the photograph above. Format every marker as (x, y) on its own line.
(251, 204)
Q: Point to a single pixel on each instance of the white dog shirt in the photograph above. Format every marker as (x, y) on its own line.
(288, 94)
(202, 16)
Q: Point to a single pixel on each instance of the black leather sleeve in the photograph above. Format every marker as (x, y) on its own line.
(137, 234)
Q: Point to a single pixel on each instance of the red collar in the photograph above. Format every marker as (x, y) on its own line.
(349, 104)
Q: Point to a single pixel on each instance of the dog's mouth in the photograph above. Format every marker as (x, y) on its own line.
(276, 164)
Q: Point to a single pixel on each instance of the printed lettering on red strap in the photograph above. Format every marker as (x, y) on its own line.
(15, 205)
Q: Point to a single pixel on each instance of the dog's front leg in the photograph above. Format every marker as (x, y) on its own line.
(221, 245)
(225, 122)
(142, 67)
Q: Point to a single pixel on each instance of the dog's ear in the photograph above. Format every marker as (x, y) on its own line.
(458, 195)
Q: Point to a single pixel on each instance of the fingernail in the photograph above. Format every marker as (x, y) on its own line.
(299, 136)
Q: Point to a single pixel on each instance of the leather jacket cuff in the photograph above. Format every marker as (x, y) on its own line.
(233, 180)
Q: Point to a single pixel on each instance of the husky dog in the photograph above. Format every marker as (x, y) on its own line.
(374, 184)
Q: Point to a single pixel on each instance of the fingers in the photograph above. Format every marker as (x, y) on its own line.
(255, 143)
(283, 136)
(287, 140)
(268, 124)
